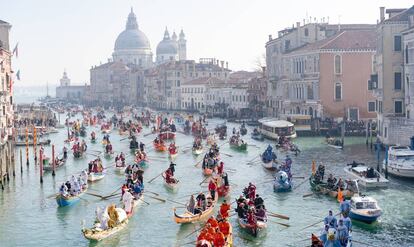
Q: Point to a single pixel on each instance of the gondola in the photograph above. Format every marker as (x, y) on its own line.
(69, 200)
(322, 188)
(160, 147)
(254, 230)
(96, 176)
(172, 186)
(189, 217)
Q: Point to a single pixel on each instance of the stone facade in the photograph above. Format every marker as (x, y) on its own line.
(293, 67)
(66, 91)
(391, 88)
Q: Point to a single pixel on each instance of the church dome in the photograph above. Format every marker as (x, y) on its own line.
(167, 45)
(132, 38)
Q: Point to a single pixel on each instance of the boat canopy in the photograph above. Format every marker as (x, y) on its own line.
(275, 123)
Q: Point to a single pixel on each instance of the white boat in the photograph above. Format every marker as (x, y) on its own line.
(274, 128)
(400, 161)
(120, 169)
(197, 151)
(95, 176)
(367, 176)
(364, 208)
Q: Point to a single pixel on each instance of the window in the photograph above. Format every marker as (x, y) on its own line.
(178, 83)
(287, 45)
(338, 64)
(371, 106)
(310, 91)
(397, 43)
(398, 107)
(306, 32)
(338, 91)
(178, 74)
(397, 81)
(385, 132)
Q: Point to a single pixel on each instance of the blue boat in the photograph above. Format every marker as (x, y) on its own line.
(64, 201)
(365, 209)
(282, 182)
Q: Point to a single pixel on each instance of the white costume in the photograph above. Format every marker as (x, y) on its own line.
(128, 200)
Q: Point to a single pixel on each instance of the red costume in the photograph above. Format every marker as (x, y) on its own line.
(224, 210)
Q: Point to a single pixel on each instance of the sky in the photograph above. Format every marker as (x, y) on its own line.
(54, 35)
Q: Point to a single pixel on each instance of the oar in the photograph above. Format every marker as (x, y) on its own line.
(192, 242)
(250, 161)
(227, 154)
(299, 177)
(107, 197)
(266, 181)
(155, 177)
(144, 201)
(104, 197)
(152, 192)
(148, 134)
(316, 223)
(307, 195)
(280, 216)
(196, 165)
(157, 198)
(204, 180)
(283, 224)
(196, 230)
(301, 183)
(359, 242)
(92, 194)
(177, 202)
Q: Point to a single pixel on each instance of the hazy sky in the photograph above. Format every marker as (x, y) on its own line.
(76, 34)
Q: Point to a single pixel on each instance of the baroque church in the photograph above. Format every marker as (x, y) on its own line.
(132, 46)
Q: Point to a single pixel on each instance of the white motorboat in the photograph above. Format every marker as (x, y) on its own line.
(400, 161)
(366, 176)
(364, 208)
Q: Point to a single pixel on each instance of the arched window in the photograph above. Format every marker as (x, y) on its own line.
(338, 64)
(338, 91)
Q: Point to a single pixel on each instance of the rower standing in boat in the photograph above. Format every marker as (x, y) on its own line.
(172, 168)
(330, 220)
(212, 187)
(224, 209)
(65, 153)
(128, 201)
(141, 146)
(343, 233)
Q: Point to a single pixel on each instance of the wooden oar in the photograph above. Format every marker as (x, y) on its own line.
(92, 194)
(359, 242)
(192, 242)
(280, 216)
(196, 230)
(152, 192)
(196, 165)
(157, 198)
(155, 177)
(204, 180)
(107, 197)
(316, 223)
(148, 134)
(283, 224)
(227, 154)
(144, 201)
(180, 203)
(307, 195)
(301, 183)
(299, 177)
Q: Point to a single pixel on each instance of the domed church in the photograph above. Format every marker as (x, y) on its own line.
(171, 49)
(132, 45)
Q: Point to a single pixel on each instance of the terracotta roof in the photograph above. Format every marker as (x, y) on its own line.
(404, 15)
(203, 81)
(345, 40)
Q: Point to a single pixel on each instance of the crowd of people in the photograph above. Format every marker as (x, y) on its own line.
(95, 166)
(335, 232)
(250, 206)
(74, 185)
(216, 230)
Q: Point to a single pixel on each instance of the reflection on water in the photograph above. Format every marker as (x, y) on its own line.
(31, 210)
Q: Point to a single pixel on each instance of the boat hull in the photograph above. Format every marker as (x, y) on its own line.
(188, 217)
(255, 231)
(364, 218)
(92, 177)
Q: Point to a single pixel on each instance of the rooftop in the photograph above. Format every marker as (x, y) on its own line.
(204, 81)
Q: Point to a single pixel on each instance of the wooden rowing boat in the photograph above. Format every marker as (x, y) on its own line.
(166, 135)
(171, 186)
(198, 151)
(58, 163)
(188, 217)
(270, 165)
(95, 176)
(322, 188)
(228, 243)
(63, 201)
(239, 147)
(254, 230)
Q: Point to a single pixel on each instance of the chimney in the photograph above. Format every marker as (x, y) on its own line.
(270, 37)
(304, 22)
(382, 14)
(298, 24)
(227, 65)
(222, 64)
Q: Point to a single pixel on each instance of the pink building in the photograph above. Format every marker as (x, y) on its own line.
(346, 63)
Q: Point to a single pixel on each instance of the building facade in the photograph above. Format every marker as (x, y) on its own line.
(6, 105)
(389, 79)
(293, 62)
(66, 91)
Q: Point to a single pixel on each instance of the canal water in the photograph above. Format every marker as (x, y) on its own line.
(29, 215)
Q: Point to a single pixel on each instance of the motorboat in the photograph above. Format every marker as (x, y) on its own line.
(364, 208)
(366, 176)
(400, 161)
